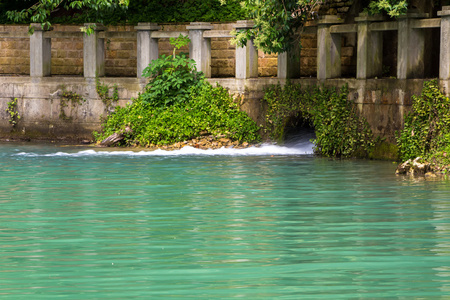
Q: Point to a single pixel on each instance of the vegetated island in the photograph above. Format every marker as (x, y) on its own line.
(178, 107)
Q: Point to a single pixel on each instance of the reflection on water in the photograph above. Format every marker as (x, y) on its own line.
(77, 224)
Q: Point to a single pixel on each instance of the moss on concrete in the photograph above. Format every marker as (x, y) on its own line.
(384, 151)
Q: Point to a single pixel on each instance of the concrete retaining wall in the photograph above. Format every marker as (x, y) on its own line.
(384, 102)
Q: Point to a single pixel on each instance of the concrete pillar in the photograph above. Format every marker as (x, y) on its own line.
(247, 56)
(328, 49)
(200, 48)
(147, 47)
(411, 47)
(40, 52)
(444, 60)
(94, 52)
(369, 62)
(289, 63)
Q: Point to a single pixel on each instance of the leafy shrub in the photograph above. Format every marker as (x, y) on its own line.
(208, 110)
(427, 126)
(174, 77)
(178, 105)
(340, 132)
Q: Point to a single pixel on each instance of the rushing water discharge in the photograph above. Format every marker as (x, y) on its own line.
(258, 223)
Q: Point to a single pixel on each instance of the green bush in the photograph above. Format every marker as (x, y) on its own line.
(340, 131)
(427, 127)
(209, 110)
(179, 105)
(174, 77)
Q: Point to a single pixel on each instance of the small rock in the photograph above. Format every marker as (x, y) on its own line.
(413, 167)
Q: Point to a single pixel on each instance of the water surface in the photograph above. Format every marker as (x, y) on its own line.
(266, 223)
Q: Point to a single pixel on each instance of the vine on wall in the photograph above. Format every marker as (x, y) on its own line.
(14, 116)
(104, 93)
(68, 97)
(340, 131)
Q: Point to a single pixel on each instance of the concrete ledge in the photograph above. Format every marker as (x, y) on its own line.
(384, 102)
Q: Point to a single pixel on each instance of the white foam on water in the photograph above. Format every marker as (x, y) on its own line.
(262, 150)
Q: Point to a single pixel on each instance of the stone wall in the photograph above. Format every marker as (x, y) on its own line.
(335, 7)
(14, 53)
(384, 102)
(67, 54)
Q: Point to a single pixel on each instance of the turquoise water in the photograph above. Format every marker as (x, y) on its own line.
(267, 223)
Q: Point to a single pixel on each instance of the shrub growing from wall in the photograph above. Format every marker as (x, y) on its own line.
(426, 131)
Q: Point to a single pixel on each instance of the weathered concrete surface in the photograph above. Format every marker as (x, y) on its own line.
(246, 56)
(39, 105)
(94, 52)
(147, 48)
(328, 49)
(370, 48)
(444, 70)
(40, 53)
(200, 48)
(384, 102)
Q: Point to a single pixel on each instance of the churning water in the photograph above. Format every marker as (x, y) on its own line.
(259, 223)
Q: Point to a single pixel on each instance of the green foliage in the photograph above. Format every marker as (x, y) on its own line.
(275, 23)
(184, 11)
(68, 97)
(394, 8)
(427, 126)
(40, 12)
(14, 116)
(208, 109)
(284, 107)
(340, 132)
(137, 11)
(178, 105)
(174, 77)
(104, 94)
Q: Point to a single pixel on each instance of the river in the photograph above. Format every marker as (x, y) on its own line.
(259, 223)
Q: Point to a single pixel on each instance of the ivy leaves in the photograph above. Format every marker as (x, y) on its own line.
(14, 116)
(427, 126)
(394, 8)
(340, 132)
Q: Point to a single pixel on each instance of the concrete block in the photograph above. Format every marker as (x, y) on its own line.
(200, 48)
(411, 48)
(247, 56)
(329, 49)
(288, 63)
(40, 53)
(444, 58)
(147, 47)
(94, 52)
(37, 110)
